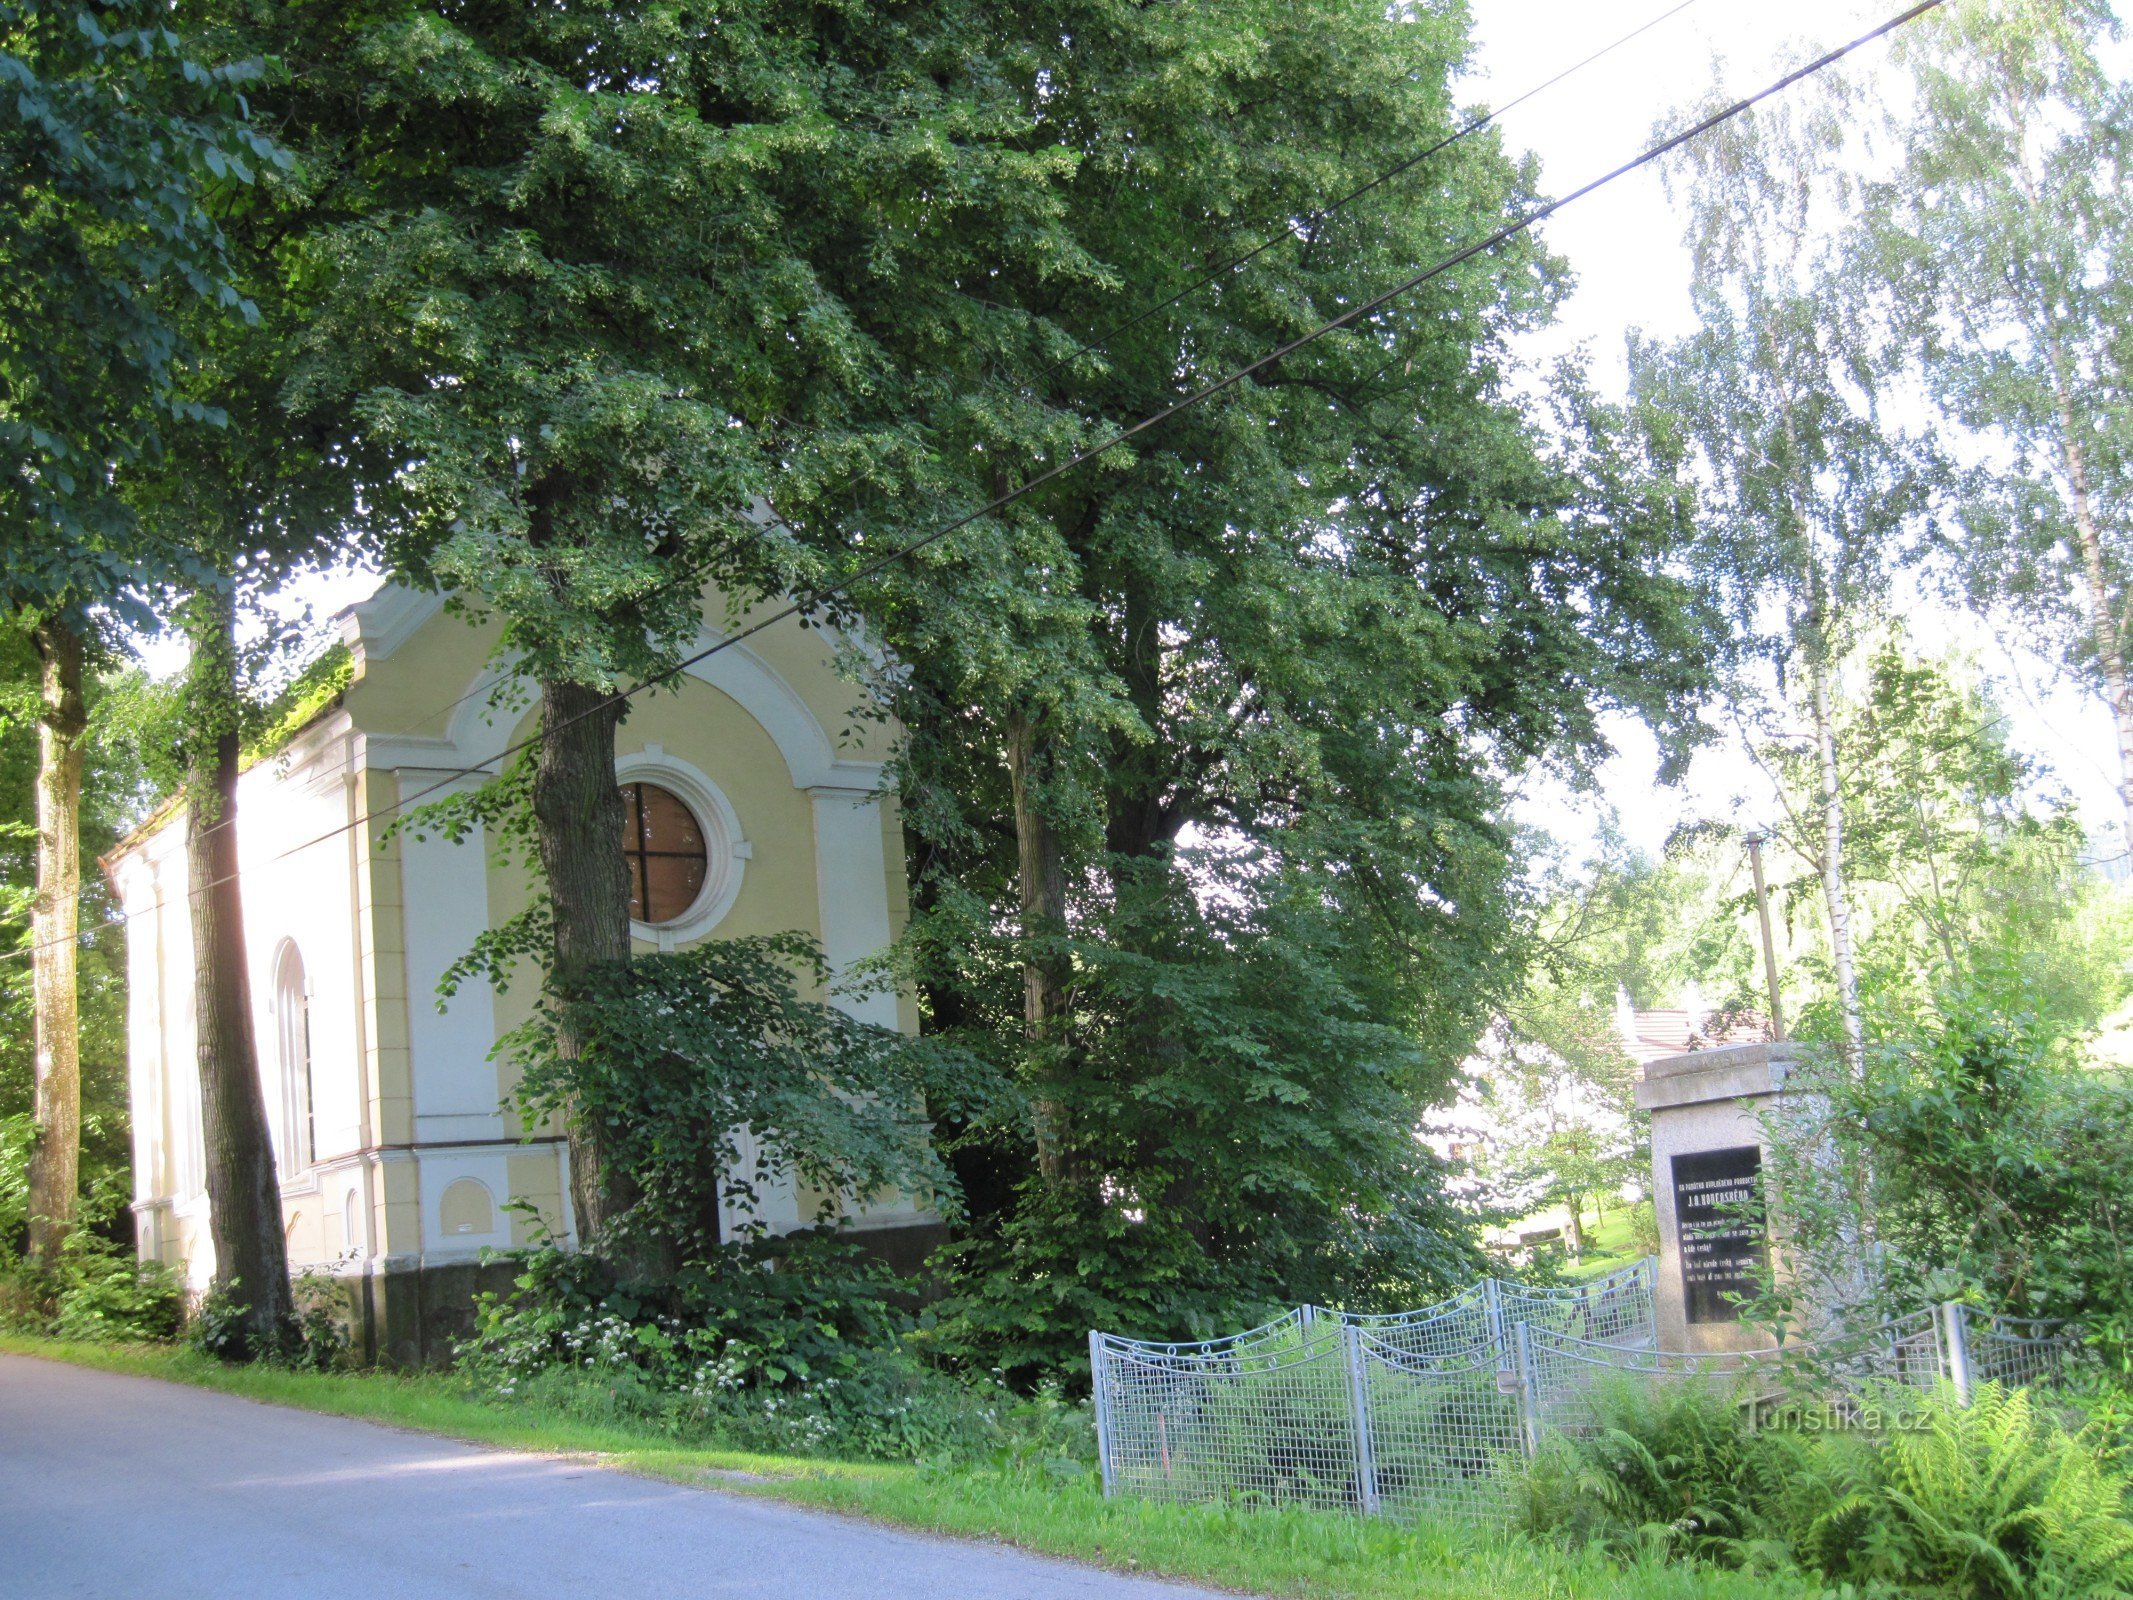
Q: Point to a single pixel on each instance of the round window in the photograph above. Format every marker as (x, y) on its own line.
(664, 844)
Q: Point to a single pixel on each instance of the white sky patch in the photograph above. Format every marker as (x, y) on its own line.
(1624, 247)
(321, 593)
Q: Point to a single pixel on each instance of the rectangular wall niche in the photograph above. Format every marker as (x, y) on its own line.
(1718, 1209)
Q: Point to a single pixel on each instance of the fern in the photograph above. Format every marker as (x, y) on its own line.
(1995, 1500)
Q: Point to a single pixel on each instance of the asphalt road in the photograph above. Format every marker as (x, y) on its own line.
(128, 1489)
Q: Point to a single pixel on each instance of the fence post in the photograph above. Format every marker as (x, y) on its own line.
(1366, 1465)
(1098, 1387)
(1957, 1339)
(1528, 1390)
(1492, 1311)
(1307, 1316)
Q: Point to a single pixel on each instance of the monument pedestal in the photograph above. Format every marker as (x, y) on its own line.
(1708, 1187)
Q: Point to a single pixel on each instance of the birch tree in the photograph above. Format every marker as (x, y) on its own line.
(1772, 408)
(2008, 239)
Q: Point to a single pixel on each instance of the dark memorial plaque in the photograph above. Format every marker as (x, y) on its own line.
(1719, 1223)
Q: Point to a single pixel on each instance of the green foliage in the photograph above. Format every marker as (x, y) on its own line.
(102, 1291)
(96, 1289)
(1958, 853)
(1254, 1112)
(1990, 1501)
(677, 1052)
(500, 314)
(790, 1344)
(1993, 1500)
(1995, 1167)
(2003, 238)
(118, 145)
(1269, 668)
(1772, 403)
(219, 1324)
(1667, 1465)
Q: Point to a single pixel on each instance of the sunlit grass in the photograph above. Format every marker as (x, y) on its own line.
(1052, 1511)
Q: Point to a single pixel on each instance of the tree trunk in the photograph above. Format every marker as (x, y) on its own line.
(244, 1194)
(578, 817)
(1046, 968)
(2103, 616)
(55, 1157)
(1834, 896)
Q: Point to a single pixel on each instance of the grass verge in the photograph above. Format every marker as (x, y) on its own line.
(1301, 1553)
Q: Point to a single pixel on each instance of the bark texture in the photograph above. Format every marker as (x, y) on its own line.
(578, 817)
(244, 1194)
(1046, 972)
(1835, 899)
(2105, 632)
(55, 1158)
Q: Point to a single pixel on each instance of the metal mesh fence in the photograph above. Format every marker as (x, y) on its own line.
(1614, 1310)
(1271, 1423)
(1441, 1434)
(1387, 1412)
(2015, 1351)
(1568, 1379)
(1430, 1410)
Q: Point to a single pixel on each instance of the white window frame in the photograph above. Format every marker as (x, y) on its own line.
(296, 1150)
(726, 851)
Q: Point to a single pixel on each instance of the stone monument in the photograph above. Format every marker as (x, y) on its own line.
(1708, 1187)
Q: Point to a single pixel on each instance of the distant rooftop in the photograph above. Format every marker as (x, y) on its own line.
(1649, 1035)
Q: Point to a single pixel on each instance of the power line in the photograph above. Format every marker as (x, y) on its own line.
(1298, 230)
(1231, 380)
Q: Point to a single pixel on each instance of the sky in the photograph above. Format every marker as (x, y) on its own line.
(1624, 248)
(1631, 271)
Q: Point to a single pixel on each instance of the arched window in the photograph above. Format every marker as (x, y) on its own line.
(292, 1015)
(664, 844)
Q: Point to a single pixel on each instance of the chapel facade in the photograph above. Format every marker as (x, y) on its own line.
(399, 1159)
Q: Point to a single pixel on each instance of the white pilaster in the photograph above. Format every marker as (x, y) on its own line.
(851, 877)
(447, 907)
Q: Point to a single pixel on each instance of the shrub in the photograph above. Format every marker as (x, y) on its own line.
(791, 1345)
(104, 1292)
(96, 1288)
(1996, 1166)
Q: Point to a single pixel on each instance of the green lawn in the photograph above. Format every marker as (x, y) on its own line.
(1271, 1553)
(1610, 1243)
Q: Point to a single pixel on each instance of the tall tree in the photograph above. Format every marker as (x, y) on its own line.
(1216, 731)
(623, 279)
(63, 719)
(2008, 236)
(243, 1189)
(113, 139)
(110, 798)
(1806, 491)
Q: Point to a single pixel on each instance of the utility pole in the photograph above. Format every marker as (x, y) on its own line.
(1762, 912)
